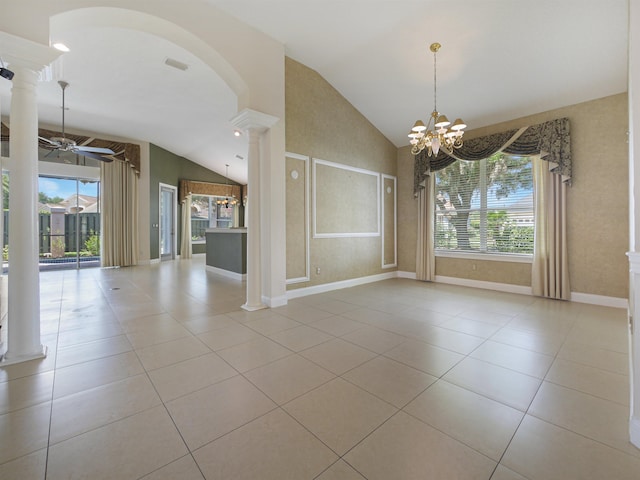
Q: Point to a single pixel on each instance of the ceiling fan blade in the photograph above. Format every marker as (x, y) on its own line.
(91, 155)
(104, 151)
(46, 140)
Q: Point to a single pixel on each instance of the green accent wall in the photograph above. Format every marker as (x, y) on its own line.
(168, 168)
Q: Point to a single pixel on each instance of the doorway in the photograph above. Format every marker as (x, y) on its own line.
(69, 222)
(168, 216)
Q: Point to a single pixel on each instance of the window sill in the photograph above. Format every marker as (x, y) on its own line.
(492, 257)
(198, 242)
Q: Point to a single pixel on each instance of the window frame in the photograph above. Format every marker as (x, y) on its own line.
(482, 253)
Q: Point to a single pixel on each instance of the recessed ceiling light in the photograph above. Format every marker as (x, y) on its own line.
(61, 46)
(172, 62)
(237, 133)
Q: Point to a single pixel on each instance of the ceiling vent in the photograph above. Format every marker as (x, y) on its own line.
(176, 64)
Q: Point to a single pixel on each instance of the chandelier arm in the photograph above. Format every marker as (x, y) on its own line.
(435, 83)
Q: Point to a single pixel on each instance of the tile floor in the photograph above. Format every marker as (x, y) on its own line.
(155, 372)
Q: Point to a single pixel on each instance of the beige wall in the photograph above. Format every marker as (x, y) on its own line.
(597, 203)
(321, 124)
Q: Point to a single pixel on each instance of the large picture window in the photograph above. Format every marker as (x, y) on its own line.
(210, 212)
(485, 206)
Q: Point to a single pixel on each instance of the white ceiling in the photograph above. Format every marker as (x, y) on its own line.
(500, 59)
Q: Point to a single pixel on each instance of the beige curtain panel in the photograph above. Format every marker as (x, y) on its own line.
(550, 268)
(425, 254)
(119, 214)
(185, 241)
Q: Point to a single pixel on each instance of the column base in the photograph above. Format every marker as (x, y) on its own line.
(11, 360)
(253, 308)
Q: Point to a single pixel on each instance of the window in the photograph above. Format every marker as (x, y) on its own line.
(210, 212)
(485, 206)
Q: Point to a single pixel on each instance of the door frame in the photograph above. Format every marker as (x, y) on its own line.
(174, 215)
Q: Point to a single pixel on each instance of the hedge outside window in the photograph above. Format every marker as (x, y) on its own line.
(485, 206)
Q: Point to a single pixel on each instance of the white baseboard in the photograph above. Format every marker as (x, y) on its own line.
(500, 287)
(328, 287)
(154, 261)
(409, 275)
(274, 302)
(241, 277)
(599, 300)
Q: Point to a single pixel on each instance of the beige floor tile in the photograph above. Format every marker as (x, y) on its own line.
(302, 314)
(190, 375)
(92, 350)
(336, 325)
(503, 473)
(288, 378)
(487, 316)
(273, 324)
(541, 343)
(128, 448)
(29, 467)
(482, 424)
(157, 334)
(389, 380)
(471, 327)
(609, 335)
(515, 358)
(427, 316)
(601, 420)
(209, 413)
(184, 468)
(24, 431)
(84, 376)
(544, 324)
(89, 409)
(163, 354)
(407, 448)
(541, 451)
(340, 414)
(336, 307)
(204, 324)
(25, 392)
(591, 356)
(450, 339)
(369, 316)
(228, 337)
(497, 383)
(250, 355)
(273, 447)
(338, 356)
(427, 358)
(300, 338)
(89, 333)
(594, 381)
(374, 339)
(340, 471)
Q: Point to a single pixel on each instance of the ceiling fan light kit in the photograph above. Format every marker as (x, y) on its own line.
(64, 144)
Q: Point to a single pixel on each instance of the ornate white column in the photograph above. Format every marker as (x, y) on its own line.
(255, 124)
(26, 59)
(634, 220)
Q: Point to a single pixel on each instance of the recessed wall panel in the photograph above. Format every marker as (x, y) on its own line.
(297, 217)
(346, 201)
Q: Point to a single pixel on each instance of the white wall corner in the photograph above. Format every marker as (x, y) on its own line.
(634, 431)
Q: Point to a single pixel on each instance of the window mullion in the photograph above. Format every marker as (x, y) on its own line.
(483, 205)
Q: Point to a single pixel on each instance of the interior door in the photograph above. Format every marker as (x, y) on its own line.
(168, 214)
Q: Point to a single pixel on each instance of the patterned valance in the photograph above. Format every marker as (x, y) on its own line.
(551, 140)
(186, 187)
(125, 152)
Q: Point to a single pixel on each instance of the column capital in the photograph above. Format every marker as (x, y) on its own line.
(18, 51)
(248, 119)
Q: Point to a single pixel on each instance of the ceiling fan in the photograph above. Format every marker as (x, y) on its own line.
(63, 144)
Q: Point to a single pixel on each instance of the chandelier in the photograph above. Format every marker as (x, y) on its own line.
(435, 134)
(226, 203)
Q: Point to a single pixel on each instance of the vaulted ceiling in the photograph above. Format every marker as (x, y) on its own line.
(500, 59)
